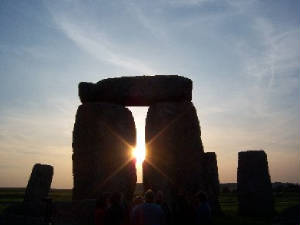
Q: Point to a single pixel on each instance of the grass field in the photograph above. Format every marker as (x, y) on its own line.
(9, 196)
(228, 203)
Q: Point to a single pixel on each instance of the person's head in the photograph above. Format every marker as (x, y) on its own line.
(138, 200)
(159, 197)
(115, 198)
(201, 197)
(149, 196)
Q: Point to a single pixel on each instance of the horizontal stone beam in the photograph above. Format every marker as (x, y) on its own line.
(137, 91)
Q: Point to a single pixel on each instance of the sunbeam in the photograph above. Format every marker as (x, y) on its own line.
(139, 153)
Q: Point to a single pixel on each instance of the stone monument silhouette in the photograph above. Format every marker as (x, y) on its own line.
(104, 134)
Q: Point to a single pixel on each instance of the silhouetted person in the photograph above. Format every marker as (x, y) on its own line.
(162, 203)
(148, 213)
(100, 212)
(115, 213)
(202, 209)
(137, 201)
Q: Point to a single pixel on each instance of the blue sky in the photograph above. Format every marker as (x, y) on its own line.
(243, 58)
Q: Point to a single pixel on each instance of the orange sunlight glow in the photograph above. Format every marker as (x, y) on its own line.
(139, 154)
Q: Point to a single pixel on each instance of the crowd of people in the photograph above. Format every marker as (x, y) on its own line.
(152, 209)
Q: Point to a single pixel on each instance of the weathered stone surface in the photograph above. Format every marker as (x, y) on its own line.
(210, 180)
(137, 91)
(39, 183)
(254, 184)
(174, 149)
(102, 140)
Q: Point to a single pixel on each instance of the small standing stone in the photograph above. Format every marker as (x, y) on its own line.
(39, 183)
(211, 180)
(254, 184)
(202, 175)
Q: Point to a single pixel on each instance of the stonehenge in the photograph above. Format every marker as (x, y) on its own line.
(104, 133)
(254, 184)
(39, 183)
(104, 136)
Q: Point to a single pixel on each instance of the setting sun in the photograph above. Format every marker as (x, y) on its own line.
(139, 154)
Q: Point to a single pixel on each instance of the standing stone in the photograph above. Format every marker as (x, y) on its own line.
(103, 137)
(39, 183)
(210, 176)
(137, 91)
(174, 149)
(254, 184)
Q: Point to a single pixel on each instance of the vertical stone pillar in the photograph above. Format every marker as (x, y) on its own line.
(174, 149)
(254, 184)
(103, 137)
(211, 180)
(39, 183)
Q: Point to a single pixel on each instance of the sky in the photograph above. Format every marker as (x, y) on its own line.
(243, 58)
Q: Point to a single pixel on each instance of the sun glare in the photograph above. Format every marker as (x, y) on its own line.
(139, 154)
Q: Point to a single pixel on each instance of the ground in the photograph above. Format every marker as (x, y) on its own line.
(228, 203)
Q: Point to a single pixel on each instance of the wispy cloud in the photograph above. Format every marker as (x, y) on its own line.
(31, 132)
(279, 51)
(156, 27)
(98, 45)
(270, 64)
